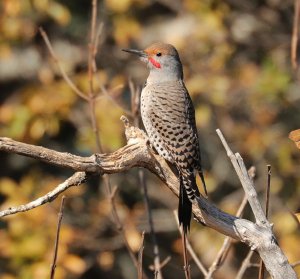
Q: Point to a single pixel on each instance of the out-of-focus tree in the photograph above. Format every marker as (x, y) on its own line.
(237, 69)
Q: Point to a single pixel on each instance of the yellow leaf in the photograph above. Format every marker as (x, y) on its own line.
(7, 186)
(59, 12)
(106, 260)
(74, 264)
(117, 5)
(295, 137)
(134, 238)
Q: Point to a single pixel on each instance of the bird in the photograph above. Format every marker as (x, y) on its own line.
(168, 116)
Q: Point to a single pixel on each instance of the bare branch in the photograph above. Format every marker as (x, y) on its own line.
(62, 71)
(294, 41)
(261, 264)
(228, 241)
(157, 264)
(268, 191)
(92, 68)
(92, 49)
(295, 264)
(60, 215)
(222, 254)
(190, 248)
(107, 94)
(137, 153)
(162, 265)
(245, 265)
(140, 258)
(75, 180)
(186, 266)
(194, 256)
(247, 183)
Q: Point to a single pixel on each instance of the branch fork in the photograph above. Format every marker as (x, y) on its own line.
(136, 153)
(133, 134)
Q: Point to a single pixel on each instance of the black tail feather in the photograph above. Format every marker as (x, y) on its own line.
(184, 208)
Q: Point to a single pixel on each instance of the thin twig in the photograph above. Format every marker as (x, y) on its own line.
(162, 265)
(157, 264)
(138, 154)
(91, 71)
(293, 215)
(117, 220)
(295, 264)
(92, 67)
(140, 258)
(90, 98)
(194, 256)
(245, 265)
(102, 88)
(75, 180)
(97, 38)
(60, 216)
(294, 42)
(190, 248)
(135, 102)
(57, 62)
(92, 48)
(186, 267)
(267, 202)
(268, 191)
(107, 94)
(223, 252)
(247, 184)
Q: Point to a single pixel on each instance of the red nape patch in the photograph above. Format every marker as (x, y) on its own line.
(154, 62)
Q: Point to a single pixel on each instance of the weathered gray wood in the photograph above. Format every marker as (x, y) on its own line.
(138, 153)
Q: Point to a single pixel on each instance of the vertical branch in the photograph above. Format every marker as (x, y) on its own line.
(221, 256)
(60, 67)
(60, 215)
(186, 267)
(190, 248)
(157, 265)
(117, 220)
(261, 264)
(194, 256)
(245, 265)
(247, 183)
(294, 42)
(91, 99)
(140, 258)
(228, 241)
(268, 191)
(92, 67)
(135, 101)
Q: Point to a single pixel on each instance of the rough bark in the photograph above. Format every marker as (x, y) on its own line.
(138, 153)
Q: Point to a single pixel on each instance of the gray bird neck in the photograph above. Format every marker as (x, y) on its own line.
(164, 75)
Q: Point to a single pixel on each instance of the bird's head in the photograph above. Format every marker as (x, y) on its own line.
(162, 59)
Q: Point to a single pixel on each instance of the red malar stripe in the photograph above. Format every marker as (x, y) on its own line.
(154, 62)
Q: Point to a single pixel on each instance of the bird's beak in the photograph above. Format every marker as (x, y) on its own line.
(140, 53)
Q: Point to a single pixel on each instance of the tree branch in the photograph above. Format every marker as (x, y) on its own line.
(137, 153)
(75, 180)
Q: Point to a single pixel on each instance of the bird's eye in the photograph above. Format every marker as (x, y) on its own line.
(158, 54)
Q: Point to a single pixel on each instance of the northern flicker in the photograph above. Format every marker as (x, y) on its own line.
(169, 118)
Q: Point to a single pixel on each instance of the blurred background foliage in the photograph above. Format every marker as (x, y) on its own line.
(237, 69)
